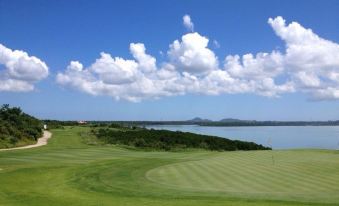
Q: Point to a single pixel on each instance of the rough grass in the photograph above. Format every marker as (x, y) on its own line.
(69, 172)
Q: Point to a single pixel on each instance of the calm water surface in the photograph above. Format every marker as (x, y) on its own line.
(289, 137)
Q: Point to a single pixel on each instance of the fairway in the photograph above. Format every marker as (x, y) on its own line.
(69, 172)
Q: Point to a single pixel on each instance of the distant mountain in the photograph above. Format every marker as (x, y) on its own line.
(226, 120)
(198, 119)
(235, 120)
(230, 120)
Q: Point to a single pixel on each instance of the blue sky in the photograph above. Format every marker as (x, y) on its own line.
(58, 32)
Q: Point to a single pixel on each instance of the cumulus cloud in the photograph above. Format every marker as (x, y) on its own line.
(146, 63)
(192, 55)
(19, 71)
(255, 67)
(313, 62)
(115, 70)
(188, 23)
(308, 64)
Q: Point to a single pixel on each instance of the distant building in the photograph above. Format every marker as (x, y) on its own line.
(82, 122)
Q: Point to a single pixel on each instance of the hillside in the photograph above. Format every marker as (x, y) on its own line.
(17, 128)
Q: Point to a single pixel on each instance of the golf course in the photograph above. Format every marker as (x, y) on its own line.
(67, 171)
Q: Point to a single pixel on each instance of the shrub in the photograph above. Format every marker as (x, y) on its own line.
(168, 140)
(15, 126)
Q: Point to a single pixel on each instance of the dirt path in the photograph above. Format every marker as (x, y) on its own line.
(41, 141)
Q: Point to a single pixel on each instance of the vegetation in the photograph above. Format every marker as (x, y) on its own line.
(232, 123)
(56, 124)
(17, 128)
(249, 123)
(169, 140)
(68, 172)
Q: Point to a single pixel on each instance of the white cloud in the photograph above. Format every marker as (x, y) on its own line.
(309, 64)
(255, 67)
(14, 85)
(132, 80)
(188, 23)
(192, 55)
(216, 44)
(115, 70)
(20, 71)
(146, 62)
(312, 61)
(76, 66)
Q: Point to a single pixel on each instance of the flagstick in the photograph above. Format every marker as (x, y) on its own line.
(269, 142)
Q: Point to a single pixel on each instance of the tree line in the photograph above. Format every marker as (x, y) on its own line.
(57, 124)
(244, 123)
(170, 140)
(230, 123)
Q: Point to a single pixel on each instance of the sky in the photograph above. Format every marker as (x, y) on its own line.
(171, 60)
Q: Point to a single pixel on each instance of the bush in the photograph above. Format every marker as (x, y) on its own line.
(16, 126)
(168, 140)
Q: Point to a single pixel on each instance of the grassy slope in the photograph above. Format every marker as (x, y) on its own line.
(68, 172)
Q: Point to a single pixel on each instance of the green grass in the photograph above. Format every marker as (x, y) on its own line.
(69, 172)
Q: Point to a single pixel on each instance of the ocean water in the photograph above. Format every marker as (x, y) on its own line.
(279, 137)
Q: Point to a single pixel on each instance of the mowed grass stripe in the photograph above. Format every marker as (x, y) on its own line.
(306, 177)
(303, 180)
(257, 178)
(285, 173)
(252, 175)
(238, 181)
(243, 179)
(215, 177)
(198, 176)
(254, 172)
(273, 172)
(187, 177)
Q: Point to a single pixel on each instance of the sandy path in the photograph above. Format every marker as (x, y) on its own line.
(41, 141)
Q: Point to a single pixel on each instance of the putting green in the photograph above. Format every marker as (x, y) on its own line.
(69, 172)
(311, 175)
